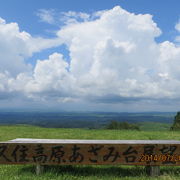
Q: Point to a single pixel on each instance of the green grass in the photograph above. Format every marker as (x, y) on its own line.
(154, 126)
(27, 172)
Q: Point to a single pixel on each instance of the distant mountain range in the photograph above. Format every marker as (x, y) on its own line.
(81, 119)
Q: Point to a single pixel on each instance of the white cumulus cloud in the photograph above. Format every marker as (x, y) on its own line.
(16, 46)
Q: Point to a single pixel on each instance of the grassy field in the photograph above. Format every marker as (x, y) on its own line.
(27, 172)
(151, 126)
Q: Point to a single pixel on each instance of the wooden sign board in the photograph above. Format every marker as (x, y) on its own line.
(126, 152)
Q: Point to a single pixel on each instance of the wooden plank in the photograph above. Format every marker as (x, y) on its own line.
(78, 141)
(39, 169)
(127, 152)
(153, 170)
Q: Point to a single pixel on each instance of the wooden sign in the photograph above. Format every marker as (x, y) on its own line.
(127, 152)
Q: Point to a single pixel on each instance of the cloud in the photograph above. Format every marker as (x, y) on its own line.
(72, 17)
(51, 77)
(13, 48)
(113, 53)
(46, 15)
(51, 16)
(114, 58)
(16, 46)
(177, 26)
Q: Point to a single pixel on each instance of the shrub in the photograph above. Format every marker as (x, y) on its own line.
(176, 125)
(122, 125)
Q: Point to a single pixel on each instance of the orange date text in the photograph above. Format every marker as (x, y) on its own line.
(159, 158)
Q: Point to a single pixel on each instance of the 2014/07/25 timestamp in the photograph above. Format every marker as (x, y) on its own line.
(159, 157)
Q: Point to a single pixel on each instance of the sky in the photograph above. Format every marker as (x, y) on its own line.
(65, 55)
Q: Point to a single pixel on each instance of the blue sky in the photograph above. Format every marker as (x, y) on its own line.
(52, 57)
